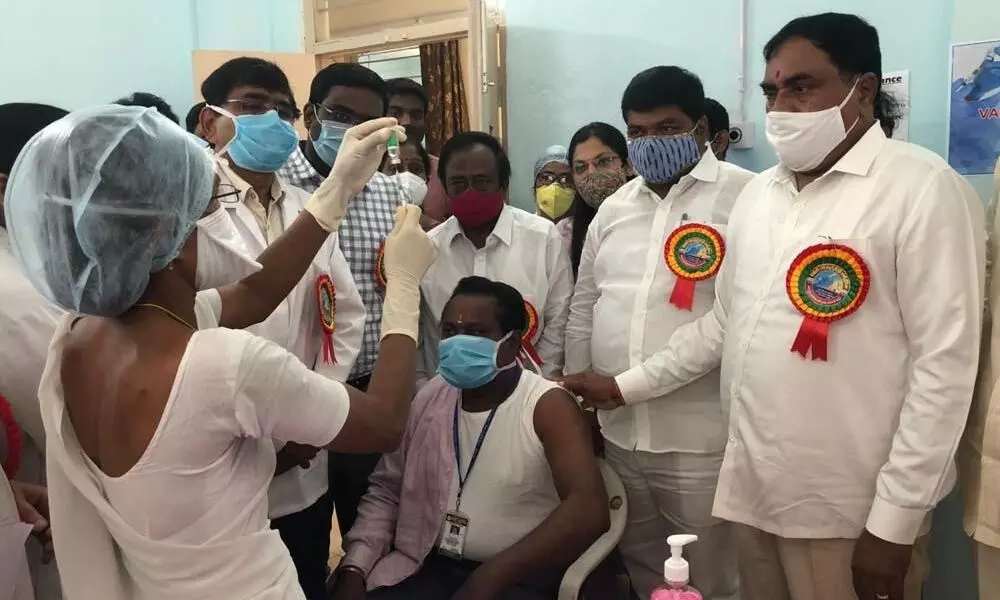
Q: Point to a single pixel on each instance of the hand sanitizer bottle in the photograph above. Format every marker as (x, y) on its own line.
(676, 573)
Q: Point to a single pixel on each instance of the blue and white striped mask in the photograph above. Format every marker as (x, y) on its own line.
(658, 159)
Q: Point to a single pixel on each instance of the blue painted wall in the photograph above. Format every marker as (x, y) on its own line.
(75, 53)
(568, 61)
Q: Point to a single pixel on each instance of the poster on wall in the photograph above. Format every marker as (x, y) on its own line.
(897, 84)
(974, 119)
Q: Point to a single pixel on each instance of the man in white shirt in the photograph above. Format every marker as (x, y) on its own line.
(486, 237)
(629, 299)
(979, 456)
(27, 323)
(248, 121)
(847, 321)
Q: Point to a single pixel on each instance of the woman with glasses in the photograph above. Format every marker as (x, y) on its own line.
(598, 154)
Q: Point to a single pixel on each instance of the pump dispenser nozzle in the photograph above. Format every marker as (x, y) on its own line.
(675, 568)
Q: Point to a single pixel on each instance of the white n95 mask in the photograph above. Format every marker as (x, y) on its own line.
(803, 139)
(223, 257)
(413, 186)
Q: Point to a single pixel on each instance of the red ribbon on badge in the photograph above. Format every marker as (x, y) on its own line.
(527, 343)
(326, 301)
(812, 336)
(693, 252)
(826, 283)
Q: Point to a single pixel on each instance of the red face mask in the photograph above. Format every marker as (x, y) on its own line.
(473, 208)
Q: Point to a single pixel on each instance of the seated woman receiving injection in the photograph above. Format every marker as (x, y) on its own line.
(160, 437)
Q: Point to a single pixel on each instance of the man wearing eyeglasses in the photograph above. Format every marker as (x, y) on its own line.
(341, 96)
(647, 268)
(248, 122)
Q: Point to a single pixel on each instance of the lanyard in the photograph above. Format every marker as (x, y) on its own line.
(475, 453)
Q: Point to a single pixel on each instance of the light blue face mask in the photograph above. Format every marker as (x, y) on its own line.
(262, 143)
(330, 139)
(660, 158)
(470, 361)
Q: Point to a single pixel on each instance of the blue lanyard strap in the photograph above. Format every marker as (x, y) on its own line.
(475, 453)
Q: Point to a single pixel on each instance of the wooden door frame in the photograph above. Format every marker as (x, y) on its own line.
(467, 25)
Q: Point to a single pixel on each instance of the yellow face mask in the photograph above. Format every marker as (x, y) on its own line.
(554, 200)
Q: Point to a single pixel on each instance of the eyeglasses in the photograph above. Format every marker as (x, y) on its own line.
(226, 193)
(604, 162)
(545, 178)
(340, 116)
(259, 106)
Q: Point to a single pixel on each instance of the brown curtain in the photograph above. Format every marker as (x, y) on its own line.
(441, 70)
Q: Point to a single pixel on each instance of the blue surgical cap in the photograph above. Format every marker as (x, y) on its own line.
(100, 199)
(556, 154)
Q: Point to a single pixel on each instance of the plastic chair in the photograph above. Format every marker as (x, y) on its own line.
(577, 573)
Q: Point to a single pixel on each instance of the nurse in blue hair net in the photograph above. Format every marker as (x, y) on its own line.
(159, 423)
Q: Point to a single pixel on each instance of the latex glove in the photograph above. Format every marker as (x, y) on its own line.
(408, 255)
(359, 157)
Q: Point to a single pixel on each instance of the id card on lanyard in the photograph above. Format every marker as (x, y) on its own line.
(455, 528)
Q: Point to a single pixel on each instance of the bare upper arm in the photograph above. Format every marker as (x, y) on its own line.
(565, 435)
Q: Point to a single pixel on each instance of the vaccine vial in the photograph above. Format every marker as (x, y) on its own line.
(392, 148)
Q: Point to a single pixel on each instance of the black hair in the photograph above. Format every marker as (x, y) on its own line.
(149, 101)
(191, 120)
(584, 213)
(19, 122)
(888, 111)
(245, 71)
(717, 116)
(511, 313)
(665, 86)
(425, 157)
(347, 75)
(469, 139)
(850, 42)
(404, 86)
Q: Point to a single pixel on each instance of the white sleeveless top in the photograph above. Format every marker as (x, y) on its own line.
(189, 520)
(510, 490)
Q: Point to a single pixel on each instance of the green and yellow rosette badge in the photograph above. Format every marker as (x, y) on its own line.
(527, 340)
(380, 266)
(326, 301)
(826, 282)
(693, 252)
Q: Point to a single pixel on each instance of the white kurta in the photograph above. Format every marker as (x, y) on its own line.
(867, 438)
(189, 520)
